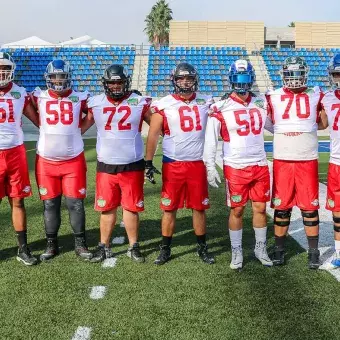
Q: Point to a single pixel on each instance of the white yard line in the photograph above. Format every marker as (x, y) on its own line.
(296, 230)
(110, 262)
(82, 333)
(97, 292)
(118, 240)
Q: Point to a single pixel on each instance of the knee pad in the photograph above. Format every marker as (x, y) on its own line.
(77, 214)
(52, 215)
(336, 220)
(53, 204)
(312, 214)
(283, 214)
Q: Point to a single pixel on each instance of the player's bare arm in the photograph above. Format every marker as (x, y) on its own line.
(87, 122)
(31, 113)
(323, 121)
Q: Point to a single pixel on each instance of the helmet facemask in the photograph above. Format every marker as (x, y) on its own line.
(7, 68)
(241, 82)
(58, 82)
(184, 84)
(294, 76)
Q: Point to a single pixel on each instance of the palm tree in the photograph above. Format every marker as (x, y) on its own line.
(292, 24)
(158, 23)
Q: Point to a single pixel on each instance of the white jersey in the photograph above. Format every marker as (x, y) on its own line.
(295, 117)
(331, 105)
(59, 119)
(119, 139)
(241, 126)
(13, 100)
(184, 125)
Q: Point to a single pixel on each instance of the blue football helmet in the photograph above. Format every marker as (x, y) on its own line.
(58, 75)
(334, 70)
(241, 76)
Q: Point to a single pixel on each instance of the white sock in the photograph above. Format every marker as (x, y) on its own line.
(337, 245)
(260, 234)
(235, 238)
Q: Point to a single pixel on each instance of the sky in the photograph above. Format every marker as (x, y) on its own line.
(122, 22)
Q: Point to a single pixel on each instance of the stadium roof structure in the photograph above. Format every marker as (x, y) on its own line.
(85, 40)
(32, 41)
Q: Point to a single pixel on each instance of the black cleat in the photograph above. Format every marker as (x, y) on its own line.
(278, 257)
(101, 253)
(202, 252)
(25, 256)
(164, 255)
(314, 258)
(51, 251)
(81, 249)
(135, 254)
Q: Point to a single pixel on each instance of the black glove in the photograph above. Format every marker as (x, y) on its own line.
(150, 170)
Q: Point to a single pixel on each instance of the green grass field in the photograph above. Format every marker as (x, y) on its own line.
(184, 299)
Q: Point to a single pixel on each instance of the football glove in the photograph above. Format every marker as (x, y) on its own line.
(150, 170)
(213, 177)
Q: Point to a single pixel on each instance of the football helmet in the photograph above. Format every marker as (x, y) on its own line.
(294, 73)
(334, 71)
(241, 76)
(179, 74)
(116, 81)
(58, 75)
(7, 68)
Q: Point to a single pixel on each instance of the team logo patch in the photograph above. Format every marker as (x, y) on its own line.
(200, 101)
(166, 201)
(27, 189)
(101, 202)
(315, 203)
(205, 201)
(236, 198)
(259, 103)
(276, 201)
(15, 95)
(331, 203)
(132, 101)
(42, 190)
(74, 99)
(82, 191)
(140, 204)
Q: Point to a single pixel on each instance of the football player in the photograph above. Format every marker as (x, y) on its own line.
(60, 163)
(295, 112)
(240, 119)
(14, 176)
(181, 118)
(118, 114)
(331, 105)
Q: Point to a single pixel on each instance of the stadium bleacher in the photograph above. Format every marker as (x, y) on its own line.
(212, 64)
(317, 60)
(88, 64)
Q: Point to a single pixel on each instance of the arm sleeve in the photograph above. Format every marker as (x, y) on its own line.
(211, 141)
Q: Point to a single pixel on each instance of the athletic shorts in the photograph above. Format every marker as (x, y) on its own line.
(55, 178)
(184, 184)
(14, 175)
(295, 183)
(252, 182)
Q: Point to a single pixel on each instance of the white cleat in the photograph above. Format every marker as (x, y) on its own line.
(236, 258)
(261, 254)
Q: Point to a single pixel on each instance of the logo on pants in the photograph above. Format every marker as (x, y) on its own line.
(42, 190)
(140, 204)
(166, 201)
(101, 202)
(276, 201)
(236, 198)
(331, 203)
(27, 189)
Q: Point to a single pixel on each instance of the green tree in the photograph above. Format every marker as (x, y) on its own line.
(292, 24)
(158, 23)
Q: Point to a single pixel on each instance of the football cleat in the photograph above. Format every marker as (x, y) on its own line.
(261, 254)
(81, 249)
(278, 256)
(135, 254)
(101, 253)
(25, 256)
(51, 251)
(164, 255)
(202, 252)
(236, 258)
(314, 258)
(335, 263)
